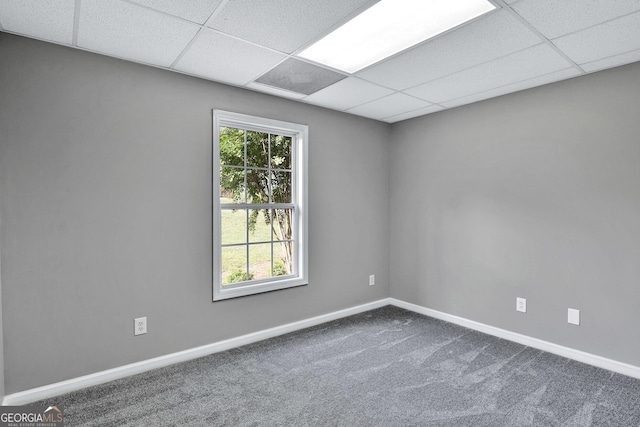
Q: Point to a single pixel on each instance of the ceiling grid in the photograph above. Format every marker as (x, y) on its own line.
(520, 45)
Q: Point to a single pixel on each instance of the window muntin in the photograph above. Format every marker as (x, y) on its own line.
(259, 213)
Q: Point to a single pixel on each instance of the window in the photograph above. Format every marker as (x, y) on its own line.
(260, 209)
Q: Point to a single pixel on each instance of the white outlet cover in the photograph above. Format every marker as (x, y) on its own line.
(140, 326)
(573, 316)
(372, 279)
(521, 305)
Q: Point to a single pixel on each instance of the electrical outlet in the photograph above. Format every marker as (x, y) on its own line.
(372, 279)
(573, 316)
(521, 305)
(140, 326)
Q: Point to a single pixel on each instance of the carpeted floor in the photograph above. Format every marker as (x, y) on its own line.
(387, 367)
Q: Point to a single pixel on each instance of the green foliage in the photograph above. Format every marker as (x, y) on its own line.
(256, 169)
(262, 150)
(237, 275)
(279, 269)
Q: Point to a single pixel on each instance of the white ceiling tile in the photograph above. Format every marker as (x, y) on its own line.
(274, 91)
(193, 10)
(494, 35)
(347, 93)
(554, 18)
(48, 20)
(612, 38)
(612, 61)
(283, 25)
(529, 63)
(226, 59)
(127, 31)
(388, 106)
(527, 84)
(414, 113)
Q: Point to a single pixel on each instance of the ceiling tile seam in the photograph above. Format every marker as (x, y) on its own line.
(418, 98)
(245, 41)
(353, 114)
(353, 76)
(609, 57)
(186, 49)
(544, 39)
(468, 68)
(362, 79)
(596, 25)
(347, 109)
(196, 76)
(509, 84)
(391, 94)
(407, 112)
(76, 22)
(161, 12)
(501, 3)
(381, 85)
(421, 99)
(593, 26)
(215, 13)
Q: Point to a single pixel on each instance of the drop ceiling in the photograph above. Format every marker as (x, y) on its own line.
(521, 44)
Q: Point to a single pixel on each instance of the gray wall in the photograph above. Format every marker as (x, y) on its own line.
(105, 200)
(1, 325)
(105, 176)
(534, 195)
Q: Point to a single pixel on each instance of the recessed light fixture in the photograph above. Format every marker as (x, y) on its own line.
(389, 27)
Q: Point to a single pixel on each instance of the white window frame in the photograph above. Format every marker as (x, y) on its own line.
(299, 161)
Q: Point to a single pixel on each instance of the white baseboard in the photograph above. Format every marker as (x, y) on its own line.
(62, 387)
(51, 390)
(580, 356)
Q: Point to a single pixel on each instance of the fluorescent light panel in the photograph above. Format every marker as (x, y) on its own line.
(389, 27)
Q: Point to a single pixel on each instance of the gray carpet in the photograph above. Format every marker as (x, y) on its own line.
(387, 367)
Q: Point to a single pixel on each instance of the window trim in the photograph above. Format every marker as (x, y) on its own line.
(300, 134)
